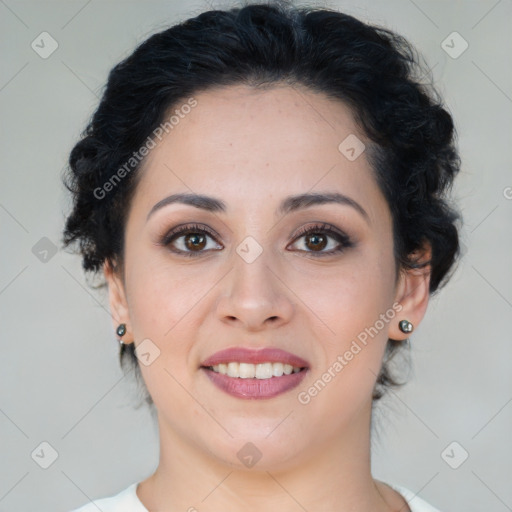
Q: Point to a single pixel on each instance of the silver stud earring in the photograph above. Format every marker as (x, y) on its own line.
(405, 326)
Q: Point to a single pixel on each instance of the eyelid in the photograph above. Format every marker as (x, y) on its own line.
(344, 241)
(320, 226)
(185, 228)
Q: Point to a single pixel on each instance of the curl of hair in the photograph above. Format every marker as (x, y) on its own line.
(373, 70)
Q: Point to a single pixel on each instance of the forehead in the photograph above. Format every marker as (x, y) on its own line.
(264, 121)
(243, 142)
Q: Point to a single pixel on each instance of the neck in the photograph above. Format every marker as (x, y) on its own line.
(333, 476)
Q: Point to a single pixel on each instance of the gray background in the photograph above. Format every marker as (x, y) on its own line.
(60, 378)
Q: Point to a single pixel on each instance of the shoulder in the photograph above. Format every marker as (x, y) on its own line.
(124, 501)
(416, 504)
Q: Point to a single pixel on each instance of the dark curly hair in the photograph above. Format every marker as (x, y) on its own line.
(372, 70)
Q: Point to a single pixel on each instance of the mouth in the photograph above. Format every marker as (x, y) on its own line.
(254, 374)
(255, 388)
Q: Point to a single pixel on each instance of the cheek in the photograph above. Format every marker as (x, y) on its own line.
(162, 306)
(169, 302)
(350, 297)
(160, 291)
(343, 380)
(355, 306)
(161, 301)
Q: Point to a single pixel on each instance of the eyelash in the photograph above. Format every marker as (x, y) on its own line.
(343, 240)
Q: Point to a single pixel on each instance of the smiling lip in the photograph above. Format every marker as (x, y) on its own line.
(255, 388)
(245, 355)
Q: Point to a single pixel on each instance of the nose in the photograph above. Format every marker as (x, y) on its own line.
(254, 296)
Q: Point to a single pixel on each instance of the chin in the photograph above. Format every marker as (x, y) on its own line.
(256, 449)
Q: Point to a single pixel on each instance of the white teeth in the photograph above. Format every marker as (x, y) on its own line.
(246, 371)
(233, 370)
(264, 370)
(277, 369)
(251, 371)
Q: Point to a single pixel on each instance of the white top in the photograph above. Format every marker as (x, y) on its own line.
(128, 501)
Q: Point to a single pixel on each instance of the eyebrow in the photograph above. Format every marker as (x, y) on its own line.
(289, 204)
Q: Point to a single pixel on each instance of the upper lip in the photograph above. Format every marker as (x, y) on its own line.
(254, 356)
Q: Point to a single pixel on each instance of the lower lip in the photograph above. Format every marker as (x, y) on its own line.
(255, 388)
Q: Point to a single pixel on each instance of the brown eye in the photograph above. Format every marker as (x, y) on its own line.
(316, 241)
(190, 240)
(195, 241)
(317, 238)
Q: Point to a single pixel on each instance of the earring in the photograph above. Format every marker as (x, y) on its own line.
(405, 326)
(121, 331)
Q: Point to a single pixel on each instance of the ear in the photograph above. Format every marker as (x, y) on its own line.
(412, 293)
(117, 301)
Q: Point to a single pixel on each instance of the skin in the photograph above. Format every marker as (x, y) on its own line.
(251, 149)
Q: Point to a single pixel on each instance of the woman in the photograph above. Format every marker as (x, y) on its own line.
(265, 191)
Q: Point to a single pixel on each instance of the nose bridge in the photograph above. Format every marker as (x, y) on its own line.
(253, 258)
(253, 292)
(252, 278)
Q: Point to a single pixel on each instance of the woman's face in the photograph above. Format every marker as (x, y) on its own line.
(252, 279)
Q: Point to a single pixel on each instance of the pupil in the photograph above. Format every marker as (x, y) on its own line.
(316, 243)
(193, 241)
